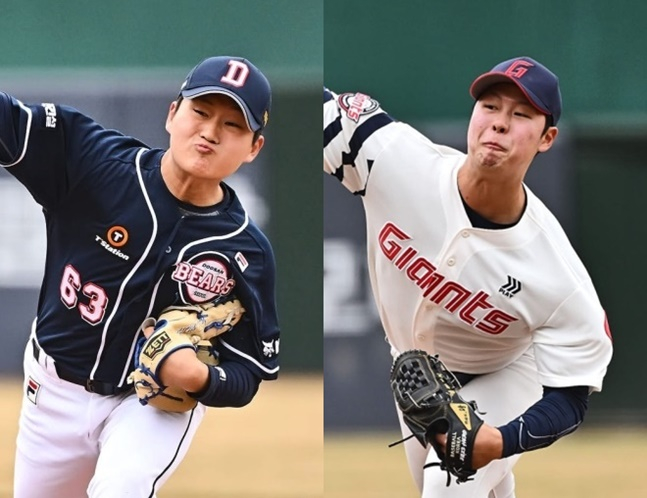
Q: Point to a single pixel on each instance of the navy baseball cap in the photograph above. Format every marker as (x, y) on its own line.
(538, 83)
(237, 78)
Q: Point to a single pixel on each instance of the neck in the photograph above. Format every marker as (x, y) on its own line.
(496, 200)
(188, 188)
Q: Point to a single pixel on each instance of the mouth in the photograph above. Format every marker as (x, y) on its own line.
(204, 148)
(494, 146)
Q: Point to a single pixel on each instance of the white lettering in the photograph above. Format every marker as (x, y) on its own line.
(237, 74)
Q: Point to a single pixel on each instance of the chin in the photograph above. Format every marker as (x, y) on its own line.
(198, 167)
(488, 161)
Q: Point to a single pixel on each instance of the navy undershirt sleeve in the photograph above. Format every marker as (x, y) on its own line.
(230, 384)
(558, 413)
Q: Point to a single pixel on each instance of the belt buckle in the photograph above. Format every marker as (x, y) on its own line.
(89, 385)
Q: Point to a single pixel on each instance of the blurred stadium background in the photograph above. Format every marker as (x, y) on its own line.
(418, 59)
(122, 63)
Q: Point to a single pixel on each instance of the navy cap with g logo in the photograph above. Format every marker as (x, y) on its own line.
(538, 83)
(239, 79)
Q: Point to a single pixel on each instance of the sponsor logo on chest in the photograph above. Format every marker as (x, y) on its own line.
(115, 238)
(472, 307)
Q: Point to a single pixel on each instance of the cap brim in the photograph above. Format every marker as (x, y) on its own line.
(252, 124)
(486, 80)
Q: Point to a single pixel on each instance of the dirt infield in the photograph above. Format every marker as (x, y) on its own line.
(272, 451)
(587, 464)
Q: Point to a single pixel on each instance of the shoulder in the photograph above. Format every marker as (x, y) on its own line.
(259, 245)
(556, 241)
(354, 115)
(250, 234)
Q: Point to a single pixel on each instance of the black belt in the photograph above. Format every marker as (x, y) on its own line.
(464, 378)
(90, 385)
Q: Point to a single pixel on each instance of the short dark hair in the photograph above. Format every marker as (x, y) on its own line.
(257, 133)
(548, 124)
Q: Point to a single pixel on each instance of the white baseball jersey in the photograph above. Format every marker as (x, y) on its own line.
(479, 298)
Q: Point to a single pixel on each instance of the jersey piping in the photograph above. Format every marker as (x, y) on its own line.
(133, 271)
(249, 358)
(27, 132)
(239, 230)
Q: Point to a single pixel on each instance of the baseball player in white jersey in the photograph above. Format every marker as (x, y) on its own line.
(466, 263)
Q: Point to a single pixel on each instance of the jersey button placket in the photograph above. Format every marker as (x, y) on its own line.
(459, 245)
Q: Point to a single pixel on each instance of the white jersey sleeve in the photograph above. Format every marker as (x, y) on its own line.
(356, 130)
(573, 347)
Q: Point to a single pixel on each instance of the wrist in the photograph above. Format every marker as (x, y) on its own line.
(197, 379)
(488, 446)
(183, 369)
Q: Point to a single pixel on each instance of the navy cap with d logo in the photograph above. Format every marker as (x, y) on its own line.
(538, 83)
(239, 79)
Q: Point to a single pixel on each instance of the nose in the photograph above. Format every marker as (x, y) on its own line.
(210, 135)
(499, 126)
(500, 123)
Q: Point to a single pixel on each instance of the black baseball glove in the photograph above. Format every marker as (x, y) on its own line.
(426, 393)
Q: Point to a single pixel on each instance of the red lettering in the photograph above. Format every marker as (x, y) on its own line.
(420, 270)
(607, 329)
(431, 283)
(408, 253)
(495, 322)
(229, 285)
(390, 248)
(478, 301)
(181, 272)
(205, 282)
(217, 285)
(456, 298)
(518, 68)
(194, 276)
(461, 296)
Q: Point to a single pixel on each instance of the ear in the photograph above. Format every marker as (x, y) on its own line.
(256, 148)
(548, 139)
(171, 114)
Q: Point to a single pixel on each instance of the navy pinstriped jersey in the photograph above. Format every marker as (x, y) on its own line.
(121, 247)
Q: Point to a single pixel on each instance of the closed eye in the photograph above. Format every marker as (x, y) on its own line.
(200, 112)
(234, 124)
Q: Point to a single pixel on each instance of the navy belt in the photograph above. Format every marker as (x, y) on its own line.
(90, 385)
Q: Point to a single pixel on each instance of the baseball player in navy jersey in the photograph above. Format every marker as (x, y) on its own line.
(466, 263)
(130, 231)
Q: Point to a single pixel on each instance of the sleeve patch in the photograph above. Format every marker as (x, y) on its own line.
(50, 115)
(356, 105)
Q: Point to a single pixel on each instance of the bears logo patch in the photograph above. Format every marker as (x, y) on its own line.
(203, 278)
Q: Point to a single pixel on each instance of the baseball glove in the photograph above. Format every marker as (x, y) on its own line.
(179, 327)
(426, 393)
